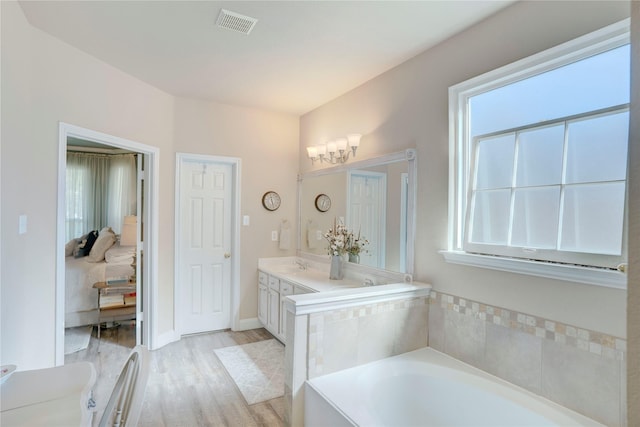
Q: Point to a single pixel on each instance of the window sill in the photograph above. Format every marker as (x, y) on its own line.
(591, 276)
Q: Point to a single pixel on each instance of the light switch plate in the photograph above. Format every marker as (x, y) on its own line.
(274, 236)
(245, 220)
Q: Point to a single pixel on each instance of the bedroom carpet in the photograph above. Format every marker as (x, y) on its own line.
(76, 339)
(256, 368)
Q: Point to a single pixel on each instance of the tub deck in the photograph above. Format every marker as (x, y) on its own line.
(427, 388)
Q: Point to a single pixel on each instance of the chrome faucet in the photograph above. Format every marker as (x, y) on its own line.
(302, 265)
(368, 282)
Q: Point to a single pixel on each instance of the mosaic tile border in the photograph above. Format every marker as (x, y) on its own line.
(315, 356)
(606, 346)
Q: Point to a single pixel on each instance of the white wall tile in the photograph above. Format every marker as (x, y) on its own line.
(464, 338)
(582, 381)
(514, 356)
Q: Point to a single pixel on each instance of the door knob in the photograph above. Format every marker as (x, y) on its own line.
(227, 255)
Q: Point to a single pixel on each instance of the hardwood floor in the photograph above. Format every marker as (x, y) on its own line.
(188, 386)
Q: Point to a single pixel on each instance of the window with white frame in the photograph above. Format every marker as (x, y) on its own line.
(539, 155)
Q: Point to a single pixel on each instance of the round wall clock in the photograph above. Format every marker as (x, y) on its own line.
(271, 200)
(323, 202)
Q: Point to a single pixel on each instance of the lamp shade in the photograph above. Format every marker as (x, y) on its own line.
(341, 144)
(129, 231)
(354, 139)
(331, 147)
(312, 152)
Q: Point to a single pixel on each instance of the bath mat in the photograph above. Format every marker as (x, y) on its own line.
(256, 368)
(76, 339)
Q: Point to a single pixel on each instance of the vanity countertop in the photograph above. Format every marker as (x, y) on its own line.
(326, 290)
(315, 280)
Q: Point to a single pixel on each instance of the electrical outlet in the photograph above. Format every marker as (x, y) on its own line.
(274, 236)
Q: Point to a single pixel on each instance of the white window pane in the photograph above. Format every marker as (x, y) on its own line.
(597, 149)
(535, 217)
(540, 156)
(596, 82)
(593, 218)
(494, 166)
(490, 216)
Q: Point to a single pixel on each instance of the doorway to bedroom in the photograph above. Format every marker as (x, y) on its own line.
(106, 241)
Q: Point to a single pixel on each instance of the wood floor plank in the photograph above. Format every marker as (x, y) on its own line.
(188, 385)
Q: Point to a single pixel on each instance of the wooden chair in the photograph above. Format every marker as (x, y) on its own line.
(125, 403)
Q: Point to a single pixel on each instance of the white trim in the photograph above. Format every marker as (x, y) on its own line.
(337, 300)
(410, 156)
(606, 38)
(571, 273)
(150, 246)
(248, 324)
(235, 164)
(460, 153)
(404, 189)
(167, 338)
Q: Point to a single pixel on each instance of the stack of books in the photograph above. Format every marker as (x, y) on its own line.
(110, 301)
(130, 299)
(120, 280)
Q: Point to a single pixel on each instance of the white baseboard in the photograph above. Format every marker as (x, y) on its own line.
(172, 336)
(247, 324)
(164, 339)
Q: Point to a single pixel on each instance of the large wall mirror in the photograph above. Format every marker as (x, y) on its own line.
(374, 198)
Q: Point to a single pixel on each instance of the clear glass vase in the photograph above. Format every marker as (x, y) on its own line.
(336, 268)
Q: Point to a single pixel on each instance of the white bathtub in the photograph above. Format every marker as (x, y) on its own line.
(427, 388)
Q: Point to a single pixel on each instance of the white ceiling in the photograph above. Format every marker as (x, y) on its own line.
(299, 55)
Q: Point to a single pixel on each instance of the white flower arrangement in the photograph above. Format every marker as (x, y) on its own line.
(342, 241)
(337, 237)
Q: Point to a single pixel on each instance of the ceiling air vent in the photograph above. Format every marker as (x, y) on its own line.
(235, 21)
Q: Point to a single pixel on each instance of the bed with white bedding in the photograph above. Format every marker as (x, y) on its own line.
(81, 299)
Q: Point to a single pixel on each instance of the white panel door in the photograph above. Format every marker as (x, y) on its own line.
(367, 213)
(205, 246)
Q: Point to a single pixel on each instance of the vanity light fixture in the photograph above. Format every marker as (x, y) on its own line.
(335, 151)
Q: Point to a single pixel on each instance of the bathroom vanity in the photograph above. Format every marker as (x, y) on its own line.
(330, 325)
(282, 277)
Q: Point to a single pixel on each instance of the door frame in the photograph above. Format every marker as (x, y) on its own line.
(149, 245)
(235, 164)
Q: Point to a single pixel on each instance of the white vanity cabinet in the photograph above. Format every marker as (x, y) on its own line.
(299, 289)
(286, 288)
(272, 292)
(273, 306)
(263, 297)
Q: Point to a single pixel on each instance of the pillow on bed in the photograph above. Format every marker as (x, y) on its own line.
(70, 247)
(120, 254)
(85, 245)
(73, 244)
(106, 239)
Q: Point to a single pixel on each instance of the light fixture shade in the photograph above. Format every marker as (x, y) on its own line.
(331, 147)
(312, 152)
(354, 139)
(341, 144)
(128, 237)
(322, 149)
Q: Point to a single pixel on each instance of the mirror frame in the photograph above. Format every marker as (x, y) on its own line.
(408, 155)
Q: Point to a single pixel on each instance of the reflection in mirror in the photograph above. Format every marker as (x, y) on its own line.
(374, 199)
